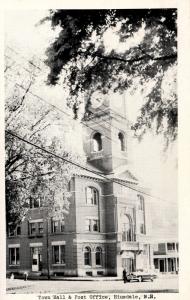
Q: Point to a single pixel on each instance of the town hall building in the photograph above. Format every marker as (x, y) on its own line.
(107, 227)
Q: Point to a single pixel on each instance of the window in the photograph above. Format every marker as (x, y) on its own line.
(171, 246)
(36, 228)
(94, 225)
(142, 228)
(14, 230)
(99, 256)
(58, 254)
(141, 202)
(14, 256)
(91, 196)
(40, 227)
(121, 141)
(11, 230)
(55, 226)
(87, 256)
(91, 225)
(58, 226)
(18, 230)
(32, 228)
(62, 225)
(87, 224)
(155, 247)
(127, 233)
(34, 203)
(97, 142)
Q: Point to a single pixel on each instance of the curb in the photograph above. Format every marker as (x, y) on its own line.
(17, 287)
(59, 278)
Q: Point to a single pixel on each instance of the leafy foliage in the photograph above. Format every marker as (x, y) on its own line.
(82, 59)
(30, 172)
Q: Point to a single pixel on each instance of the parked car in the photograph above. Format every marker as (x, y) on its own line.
(141, 275)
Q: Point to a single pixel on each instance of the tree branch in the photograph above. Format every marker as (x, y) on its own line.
(38, 130)
(41, 119)
(132, 60)
(16, 167)
(12, 161)
(31, 176)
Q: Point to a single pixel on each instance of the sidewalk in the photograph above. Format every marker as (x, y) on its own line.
(13, 284)
(73, 286)
(21, 283)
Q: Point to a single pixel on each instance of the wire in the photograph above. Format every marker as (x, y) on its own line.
(30, 62)
(45, 66)
(78, 165)
(67, 114)
(61, 86)
(55, 107)
(49, 152)
(28, 177)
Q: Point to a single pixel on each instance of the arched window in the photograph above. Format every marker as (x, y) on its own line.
(92, 195)
(87, 256)
(127, 233)
(97, 142)
(121, 141)
(99, 256)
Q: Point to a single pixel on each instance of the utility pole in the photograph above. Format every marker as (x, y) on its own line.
(47, 244)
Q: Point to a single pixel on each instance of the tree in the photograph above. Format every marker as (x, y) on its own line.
(30, 173)
(142, 48)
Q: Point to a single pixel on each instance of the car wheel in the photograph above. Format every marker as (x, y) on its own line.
(140, 279)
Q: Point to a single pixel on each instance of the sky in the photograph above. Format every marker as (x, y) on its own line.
(20, 28)
(156, 168)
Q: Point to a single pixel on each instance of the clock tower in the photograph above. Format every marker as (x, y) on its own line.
(105, 142)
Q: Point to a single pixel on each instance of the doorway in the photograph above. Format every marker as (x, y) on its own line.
(128, 264)
(162, 265)
(36, 259)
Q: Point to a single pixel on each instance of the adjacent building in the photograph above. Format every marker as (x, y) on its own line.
(166, 257)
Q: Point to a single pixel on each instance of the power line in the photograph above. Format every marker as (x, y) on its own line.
(41, 70)
(64, 112)
(30, 62)
(28, 177)
(53, 154)
(55, 107)
(14, 61)
(61, 86)
(78, 165)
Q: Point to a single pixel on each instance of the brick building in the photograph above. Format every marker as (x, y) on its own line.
(108, 222)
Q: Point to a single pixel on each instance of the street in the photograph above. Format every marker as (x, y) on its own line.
(76, 286)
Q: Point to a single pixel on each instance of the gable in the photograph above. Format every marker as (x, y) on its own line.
(127, 175)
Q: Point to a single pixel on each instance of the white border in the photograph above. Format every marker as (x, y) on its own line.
(184, 118)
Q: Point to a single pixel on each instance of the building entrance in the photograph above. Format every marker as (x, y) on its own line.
(36, 259)
(128, 264)
(162, 265)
